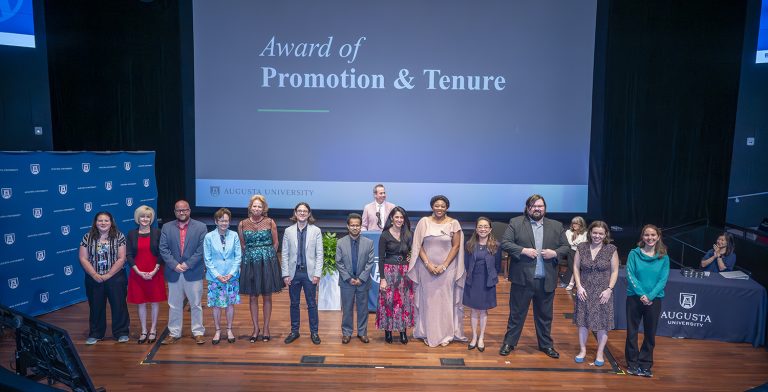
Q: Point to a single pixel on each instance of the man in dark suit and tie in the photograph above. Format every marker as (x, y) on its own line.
(535, 243)
(354, 260)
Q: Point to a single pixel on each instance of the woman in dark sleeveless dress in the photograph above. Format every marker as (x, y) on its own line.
(595, 270)
(260, 273)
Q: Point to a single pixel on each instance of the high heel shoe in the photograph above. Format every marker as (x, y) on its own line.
(217, 339)
(152, 337)
(404, 337)
(388, 336)
(142, 338)
(229, 333)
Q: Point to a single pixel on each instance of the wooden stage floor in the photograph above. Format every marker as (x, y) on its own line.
(680, 364)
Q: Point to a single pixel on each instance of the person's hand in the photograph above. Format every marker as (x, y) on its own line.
(644, 299)
(605, 296)
(147, 275)
(581, 293)
(530, 252)
(179, 268)
(222, 278)
(548, 253)
(715, 249)
(315, 279)
(185, 266)
(98, 278)
(382, 284)
(287, 280)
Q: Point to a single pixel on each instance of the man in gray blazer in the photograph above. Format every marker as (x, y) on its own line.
(181, 247)
(302, 266)
(535, 243)
(354, 260)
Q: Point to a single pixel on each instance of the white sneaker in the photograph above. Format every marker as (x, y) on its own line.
(91, 341)
(123, 339)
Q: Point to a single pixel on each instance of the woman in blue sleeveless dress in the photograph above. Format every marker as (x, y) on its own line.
(260, 271)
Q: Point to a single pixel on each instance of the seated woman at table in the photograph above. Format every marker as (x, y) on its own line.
(721, 257)
(647, 273)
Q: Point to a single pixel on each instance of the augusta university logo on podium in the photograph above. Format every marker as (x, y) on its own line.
(687, 300)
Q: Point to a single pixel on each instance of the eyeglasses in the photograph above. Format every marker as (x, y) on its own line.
(302, 212)
(182, 210)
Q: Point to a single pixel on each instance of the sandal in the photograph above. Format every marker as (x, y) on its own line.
(254, 339)
(217, 337)
(142, 338)
(152, 337)
(232, 338)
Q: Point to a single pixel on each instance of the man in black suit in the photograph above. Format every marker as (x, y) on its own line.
(535, 244)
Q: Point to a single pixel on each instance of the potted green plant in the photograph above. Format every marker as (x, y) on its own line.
(329, 296)
(329, 253)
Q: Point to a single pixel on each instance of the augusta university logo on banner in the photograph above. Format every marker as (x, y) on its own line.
(44, 297)
(13, 283)
(687, 300)
(146, 183)
(34, 168)
(40, 255)
(65, 230)
(37, 212)
(127, 166)
(685, 318)
(128, 201)
(86, 167)
(7, 193)
(108, 185)
(63, 189)
(88, 206)
(10, 238)
(68, 270)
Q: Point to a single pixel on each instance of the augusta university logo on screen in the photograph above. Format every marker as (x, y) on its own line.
(685, 317)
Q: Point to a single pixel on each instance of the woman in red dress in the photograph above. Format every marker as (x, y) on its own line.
(146, 282)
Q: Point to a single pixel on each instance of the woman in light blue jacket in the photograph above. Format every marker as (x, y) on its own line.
(222, 252)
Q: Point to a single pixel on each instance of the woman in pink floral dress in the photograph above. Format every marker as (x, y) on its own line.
(395, 311)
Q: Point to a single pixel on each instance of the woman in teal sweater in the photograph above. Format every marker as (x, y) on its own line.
(647, 272)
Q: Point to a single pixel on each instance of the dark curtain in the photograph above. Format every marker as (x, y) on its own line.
(670, 72)
(115, 84)
(672, 76)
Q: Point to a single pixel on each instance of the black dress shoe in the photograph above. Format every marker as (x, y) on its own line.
(315, 338)
(388, 336)
(404, 337)
(505, 349)
(551, 352)
(481, 348)
(345, 339)
(291, 337)
(471, 346)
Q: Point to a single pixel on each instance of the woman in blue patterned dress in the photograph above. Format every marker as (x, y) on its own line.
(260, 271)
(222, 255)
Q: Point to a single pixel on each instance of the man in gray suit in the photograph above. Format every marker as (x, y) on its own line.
(535, 243)
(354, 260)
(302, 266)
(181, 247)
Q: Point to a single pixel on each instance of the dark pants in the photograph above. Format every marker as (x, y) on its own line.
(351, 295)
(302, 281)
(636, 311)
(519, 301)
(566, 277)
(113, 290)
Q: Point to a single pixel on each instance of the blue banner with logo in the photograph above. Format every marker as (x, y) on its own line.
(48, 203)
